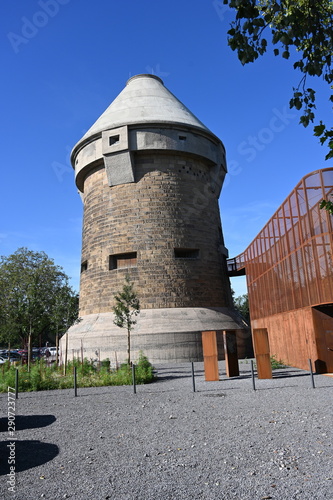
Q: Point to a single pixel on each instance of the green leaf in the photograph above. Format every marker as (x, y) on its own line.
(284, 38)
(304, 120)
(319, 129)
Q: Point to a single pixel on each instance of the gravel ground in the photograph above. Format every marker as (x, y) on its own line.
(225, 441)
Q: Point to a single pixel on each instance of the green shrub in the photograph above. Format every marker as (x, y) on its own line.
(122, 376)
(35, 377)
(105, 363)
(7, 377)
(46, 377)
(144, 372)
(275, 363)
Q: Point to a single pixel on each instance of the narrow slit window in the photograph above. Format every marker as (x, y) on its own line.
(182, 137)
(186, 253)
(123, 260)
(113, 140)
(84, 266)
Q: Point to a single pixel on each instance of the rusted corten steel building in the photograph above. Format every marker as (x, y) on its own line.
(289, 272)
(150, 175)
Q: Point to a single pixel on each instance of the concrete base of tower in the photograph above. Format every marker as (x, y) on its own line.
(163, 335)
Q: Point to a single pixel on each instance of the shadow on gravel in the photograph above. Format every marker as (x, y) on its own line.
(216, 395)
(27, 422)
(289, 375)
(278, 387)
(164, 378)
(293, 387)
(239, 377)
(167, 374)
(25, 455)
(203, 391)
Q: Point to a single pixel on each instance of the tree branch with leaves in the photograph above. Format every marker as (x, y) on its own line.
(305, 26)
(327, 205)
(241, 304)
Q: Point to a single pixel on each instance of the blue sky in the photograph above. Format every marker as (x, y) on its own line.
(64, 62)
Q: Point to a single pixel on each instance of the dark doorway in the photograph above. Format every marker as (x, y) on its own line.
(323, 325)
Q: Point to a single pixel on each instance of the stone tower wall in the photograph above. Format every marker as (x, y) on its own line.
(150, 175)
(171, 205)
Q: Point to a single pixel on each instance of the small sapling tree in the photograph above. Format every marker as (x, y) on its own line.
(126, 309)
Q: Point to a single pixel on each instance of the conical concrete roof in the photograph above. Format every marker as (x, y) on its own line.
(144, 100)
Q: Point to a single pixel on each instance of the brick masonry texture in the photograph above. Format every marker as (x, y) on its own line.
(170, 205)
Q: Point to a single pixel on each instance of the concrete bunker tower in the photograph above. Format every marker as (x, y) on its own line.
(150, 175)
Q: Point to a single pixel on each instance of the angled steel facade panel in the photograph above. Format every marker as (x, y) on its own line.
(289, 265)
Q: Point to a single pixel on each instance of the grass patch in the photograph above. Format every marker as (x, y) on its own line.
(45, 377)
(277, 363)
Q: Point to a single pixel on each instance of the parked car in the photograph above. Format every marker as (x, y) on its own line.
(53, 351)
(2, 360)
(12, 356)
(35, 354)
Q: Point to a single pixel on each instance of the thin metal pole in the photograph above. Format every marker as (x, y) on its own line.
(75, 382)
(133, 378)
(311, 373)
(193, 377)
(16, 383)
(253, 379)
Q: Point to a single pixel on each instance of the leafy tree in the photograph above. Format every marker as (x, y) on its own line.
(126, 308)
(304, 27)
(65, 313)
(35, 297)
(242, 305)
